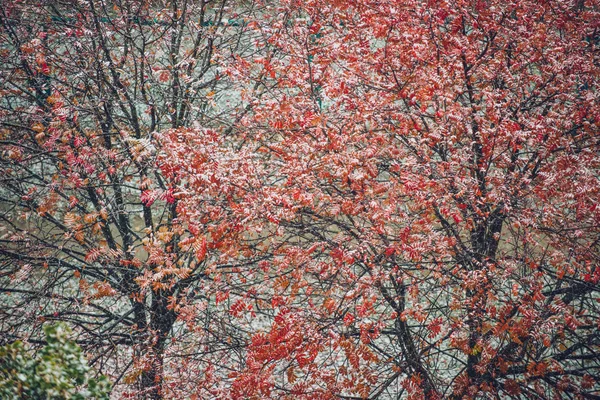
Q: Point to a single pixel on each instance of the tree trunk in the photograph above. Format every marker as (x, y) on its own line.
(161, 322)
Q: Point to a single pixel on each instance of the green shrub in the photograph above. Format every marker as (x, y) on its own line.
(58, 371)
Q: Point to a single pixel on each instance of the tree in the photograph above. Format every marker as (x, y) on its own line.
(58, 371)
(400, 202)
(90, 233)
(421, 181)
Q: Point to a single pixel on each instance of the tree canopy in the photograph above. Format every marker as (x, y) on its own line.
(358, 199)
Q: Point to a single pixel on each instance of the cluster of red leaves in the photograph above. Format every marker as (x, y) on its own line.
(425, 169)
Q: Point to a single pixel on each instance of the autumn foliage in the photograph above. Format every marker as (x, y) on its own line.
(360, 199)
